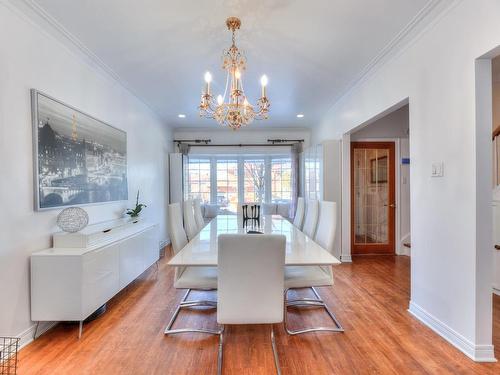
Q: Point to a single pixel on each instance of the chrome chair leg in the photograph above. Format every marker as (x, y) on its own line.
(309, 302)
(275, 352)
(188, 304)
(318, 297)
(221, 349)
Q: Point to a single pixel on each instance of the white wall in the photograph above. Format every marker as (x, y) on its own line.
(436, 71)
(31, 58)
(404, 197)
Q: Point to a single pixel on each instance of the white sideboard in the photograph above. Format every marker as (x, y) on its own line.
(69, 283)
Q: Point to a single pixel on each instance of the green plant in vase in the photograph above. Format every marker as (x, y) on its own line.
(134, 212)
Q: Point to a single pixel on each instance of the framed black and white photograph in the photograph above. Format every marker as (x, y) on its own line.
(78, 160)
(378, 170)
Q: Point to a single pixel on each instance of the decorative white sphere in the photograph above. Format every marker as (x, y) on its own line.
(72, 219)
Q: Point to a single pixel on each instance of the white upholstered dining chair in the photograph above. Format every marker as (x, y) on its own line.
(311, 218)
(283, 209)
(190, 278)
(176, 230)
(313, 276)
(250, 267)
(189, 219)
(198, 215)
(269, 208)
(299, 214)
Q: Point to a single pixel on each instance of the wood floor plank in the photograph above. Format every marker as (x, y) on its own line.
(370, 298)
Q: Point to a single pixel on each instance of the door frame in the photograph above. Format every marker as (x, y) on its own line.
(394, 230)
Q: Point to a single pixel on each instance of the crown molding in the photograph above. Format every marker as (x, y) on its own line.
(39, 17)
(425, 19)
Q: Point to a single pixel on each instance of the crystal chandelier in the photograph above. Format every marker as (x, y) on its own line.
(237, 110)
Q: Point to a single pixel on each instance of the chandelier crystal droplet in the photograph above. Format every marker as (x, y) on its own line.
(234, 111)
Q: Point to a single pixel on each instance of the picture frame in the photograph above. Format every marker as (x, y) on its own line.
(78, 160)
(379, 170)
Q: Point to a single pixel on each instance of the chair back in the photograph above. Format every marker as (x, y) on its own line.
(299, 213)
(283, 209)
(211, 210)
(176, 229)
(327, 225)
(250, 278)
(198, 215)
(311, 219)
(189, 220)
(269, 208)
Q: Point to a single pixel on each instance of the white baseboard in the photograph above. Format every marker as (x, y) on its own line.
(478, 353)
(346, 258)
(26, 337)
(164, 243)
(403, 250)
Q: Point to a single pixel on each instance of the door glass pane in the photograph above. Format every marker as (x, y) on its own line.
(197, 179)
(281, 180)
(227, 185)
(254, 184)
(371, 196)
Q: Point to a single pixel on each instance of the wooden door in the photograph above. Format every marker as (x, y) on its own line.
(373, 198)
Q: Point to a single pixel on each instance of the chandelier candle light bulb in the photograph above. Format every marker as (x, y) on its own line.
(263, 82)
(208, 79)
(237, 111)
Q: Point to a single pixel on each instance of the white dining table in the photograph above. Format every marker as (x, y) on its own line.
(300, 249)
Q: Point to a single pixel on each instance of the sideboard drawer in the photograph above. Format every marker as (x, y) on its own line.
(101, 277)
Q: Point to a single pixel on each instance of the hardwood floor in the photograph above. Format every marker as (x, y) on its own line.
(370, 298)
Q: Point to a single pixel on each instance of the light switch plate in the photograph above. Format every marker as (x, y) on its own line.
(437, 169)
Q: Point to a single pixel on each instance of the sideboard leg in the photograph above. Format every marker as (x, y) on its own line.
(80, 330)
(36, 330)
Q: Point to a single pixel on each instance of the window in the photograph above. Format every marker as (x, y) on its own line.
(197, 179)
(312, 164)
(281, 179)
(227, 185)
(229, 180)
(254, 180)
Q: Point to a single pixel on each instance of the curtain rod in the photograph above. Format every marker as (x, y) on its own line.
(244, 145)
(206, 142)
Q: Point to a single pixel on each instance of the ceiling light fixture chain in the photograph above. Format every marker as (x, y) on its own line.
(237, 110)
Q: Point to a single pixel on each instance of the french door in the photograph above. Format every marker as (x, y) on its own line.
(373, 198)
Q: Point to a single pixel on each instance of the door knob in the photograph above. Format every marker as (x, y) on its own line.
(392, 205)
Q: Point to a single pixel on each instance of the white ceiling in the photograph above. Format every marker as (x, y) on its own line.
(310, 50)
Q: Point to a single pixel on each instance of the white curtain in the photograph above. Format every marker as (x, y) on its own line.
(296, 152)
